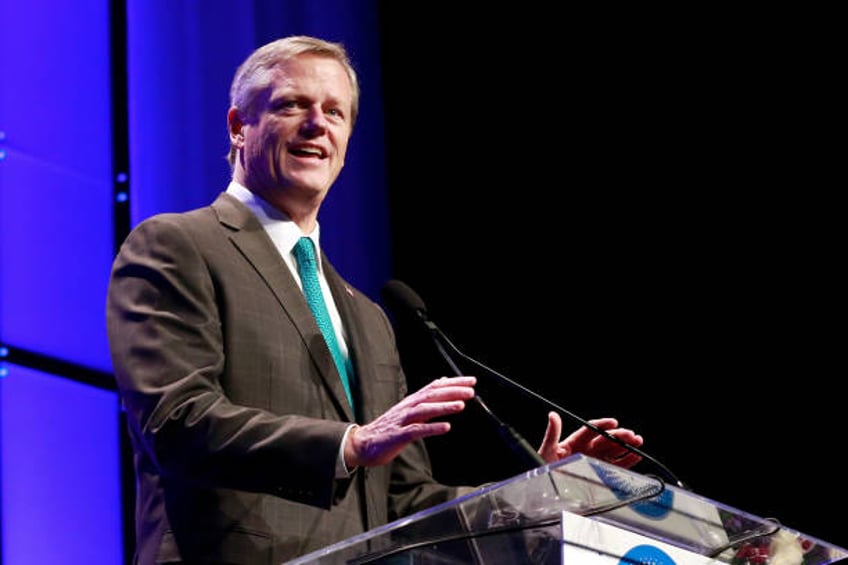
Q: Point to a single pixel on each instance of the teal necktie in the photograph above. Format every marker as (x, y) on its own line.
(304, 252)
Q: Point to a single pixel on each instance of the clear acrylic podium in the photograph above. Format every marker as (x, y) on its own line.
(580, 510)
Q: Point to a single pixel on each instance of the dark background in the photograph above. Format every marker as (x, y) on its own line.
(634, 211)
(632, 219)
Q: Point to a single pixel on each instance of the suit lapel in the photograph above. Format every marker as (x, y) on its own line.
(357, 338)
(253, 242)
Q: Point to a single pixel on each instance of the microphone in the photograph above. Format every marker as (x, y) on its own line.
(397, 294)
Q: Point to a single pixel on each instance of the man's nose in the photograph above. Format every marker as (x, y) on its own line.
(315, 120)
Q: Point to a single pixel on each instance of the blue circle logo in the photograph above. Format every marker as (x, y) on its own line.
(646, 555)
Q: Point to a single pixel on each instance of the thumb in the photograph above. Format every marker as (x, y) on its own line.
(550, 442)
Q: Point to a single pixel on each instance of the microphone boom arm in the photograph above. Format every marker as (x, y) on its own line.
(522, 449)
(553, 404)
(396, 293)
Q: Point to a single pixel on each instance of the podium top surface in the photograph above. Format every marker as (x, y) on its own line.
(523, 517)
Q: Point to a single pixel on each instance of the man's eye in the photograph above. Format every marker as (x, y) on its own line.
(284, 105)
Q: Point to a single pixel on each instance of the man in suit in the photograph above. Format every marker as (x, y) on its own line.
(247, 448)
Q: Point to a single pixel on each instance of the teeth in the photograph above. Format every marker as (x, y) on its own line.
(312, 151)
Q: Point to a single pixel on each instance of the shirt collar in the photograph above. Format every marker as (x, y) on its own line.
(279, 227)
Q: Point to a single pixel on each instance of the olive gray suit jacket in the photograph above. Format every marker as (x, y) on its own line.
(235, 408)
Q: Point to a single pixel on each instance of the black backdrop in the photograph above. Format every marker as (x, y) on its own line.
(623, 218)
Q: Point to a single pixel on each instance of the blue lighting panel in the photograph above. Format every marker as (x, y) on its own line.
(60, 471)
(56, 234)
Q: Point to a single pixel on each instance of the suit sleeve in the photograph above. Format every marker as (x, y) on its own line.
(166, 339)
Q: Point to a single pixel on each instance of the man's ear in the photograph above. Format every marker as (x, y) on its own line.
(235, 125)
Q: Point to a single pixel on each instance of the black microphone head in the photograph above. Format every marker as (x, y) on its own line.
(399, 297)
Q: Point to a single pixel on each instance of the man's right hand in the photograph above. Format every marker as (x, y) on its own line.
(379, 441)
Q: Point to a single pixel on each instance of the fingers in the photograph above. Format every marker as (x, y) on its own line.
(613, 451)
(550, 449)
(606, 449)
(627, 461)
(588, 441)
(441, 397)
(580, 438)
(382, 439)
(554, 429)
(444, 389)
(604, 423)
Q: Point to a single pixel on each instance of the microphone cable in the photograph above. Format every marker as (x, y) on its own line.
(582, 421)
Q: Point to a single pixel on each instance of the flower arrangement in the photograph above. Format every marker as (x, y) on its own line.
(781, 548)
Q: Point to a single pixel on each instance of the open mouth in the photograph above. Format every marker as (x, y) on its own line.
(308, 151)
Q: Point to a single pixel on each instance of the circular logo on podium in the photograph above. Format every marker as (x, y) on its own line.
(646, 555)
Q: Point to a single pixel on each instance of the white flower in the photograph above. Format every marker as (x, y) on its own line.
(785, 549)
